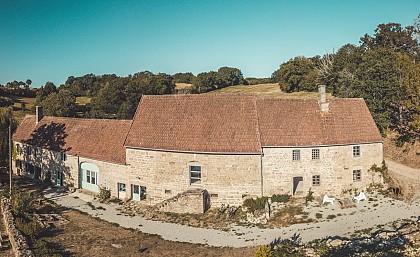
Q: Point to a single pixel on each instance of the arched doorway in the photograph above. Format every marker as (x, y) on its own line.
(89, 176)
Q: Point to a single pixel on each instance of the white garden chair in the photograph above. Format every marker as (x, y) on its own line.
(328, 199)
(360, 197)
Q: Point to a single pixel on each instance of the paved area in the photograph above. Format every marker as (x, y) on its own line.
(367, 214)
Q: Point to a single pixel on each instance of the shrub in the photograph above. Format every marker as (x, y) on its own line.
(280, 198)
(264, 251)
(309, 197)
(318, 215)
(255, 204)
(31, 228)
(22, 203)
(104, 193)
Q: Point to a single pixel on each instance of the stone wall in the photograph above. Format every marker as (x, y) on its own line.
(110, 173)
(17, 240)
(191, 201)
(335, 167)
(227, 177)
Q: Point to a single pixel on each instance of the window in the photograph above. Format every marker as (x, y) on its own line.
(143, 192)
(296, 155)
(168, 192)
(121, 187)
(34, 149)
(356, 151)
(93, 177)
(195, 175)
(136, 189)
(315, 154)
(28, 150)
(316, 180)
(88, 176)
(357, 175)
(63, 156)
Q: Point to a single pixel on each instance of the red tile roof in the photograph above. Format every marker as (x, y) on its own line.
(244, 123)
(198, 123)
(299, 122)
(93, 138)
(225, 123)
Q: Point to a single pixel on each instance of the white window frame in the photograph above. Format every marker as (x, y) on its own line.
(63, 156)
(356, 151)
(195, 175)
(357, 175)
(296, 155)
(315, 154)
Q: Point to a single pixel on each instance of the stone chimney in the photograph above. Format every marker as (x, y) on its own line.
(38, 113)
(323, 104)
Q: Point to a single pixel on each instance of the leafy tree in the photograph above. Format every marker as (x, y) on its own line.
(393, 36)
(62, 104)
(229, 76)
(297, 74)
(186, 77)
(6, 119)
(45, 91)
(28, 82)
(205, 82)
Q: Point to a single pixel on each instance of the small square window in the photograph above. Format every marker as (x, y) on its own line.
(357, 175)
(315, 154)
(316, 180)
(296, 155)
(356, 151)
(195, 175)
(168, 192)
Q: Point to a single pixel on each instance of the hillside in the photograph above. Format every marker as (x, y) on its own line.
(266, 90)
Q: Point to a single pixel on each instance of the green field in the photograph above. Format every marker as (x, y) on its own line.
(266, 90)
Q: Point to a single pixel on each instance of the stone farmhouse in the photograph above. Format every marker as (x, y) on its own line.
(229, 146)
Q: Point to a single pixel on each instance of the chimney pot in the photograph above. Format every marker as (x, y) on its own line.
(38, 113)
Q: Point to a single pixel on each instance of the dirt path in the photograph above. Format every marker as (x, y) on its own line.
(366, 215)
(405, 177)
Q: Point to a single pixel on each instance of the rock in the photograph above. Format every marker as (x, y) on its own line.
(118, 246)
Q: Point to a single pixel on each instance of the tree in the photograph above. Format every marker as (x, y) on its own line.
(229, 76)
(45, 91)
(28, 83)
(393, 36)
(6, 119)
(297, 74)
(205, 82)
(186, 77)
(61, 104)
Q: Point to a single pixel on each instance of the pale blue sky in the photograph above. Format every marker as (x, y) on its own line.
(51, 40)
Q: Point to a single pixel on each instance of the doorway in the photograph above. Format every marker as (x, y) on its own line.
(297, 186)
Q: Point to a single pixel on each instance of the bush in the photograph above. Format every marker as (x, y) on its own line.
(280, 198)
(309, 197)
(30, 229)
(264, 251)
(22, 203)
(104, 193)
(255, 204)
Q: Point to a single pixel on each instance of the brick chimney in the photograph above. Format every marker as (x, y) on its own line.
(38, 113)
(323, 104)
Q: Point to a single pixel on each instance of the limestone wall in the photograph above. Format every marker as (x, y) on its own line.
(19, 244)
(227, 178)
(110, 173)
(335, 167)
(191, 201)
